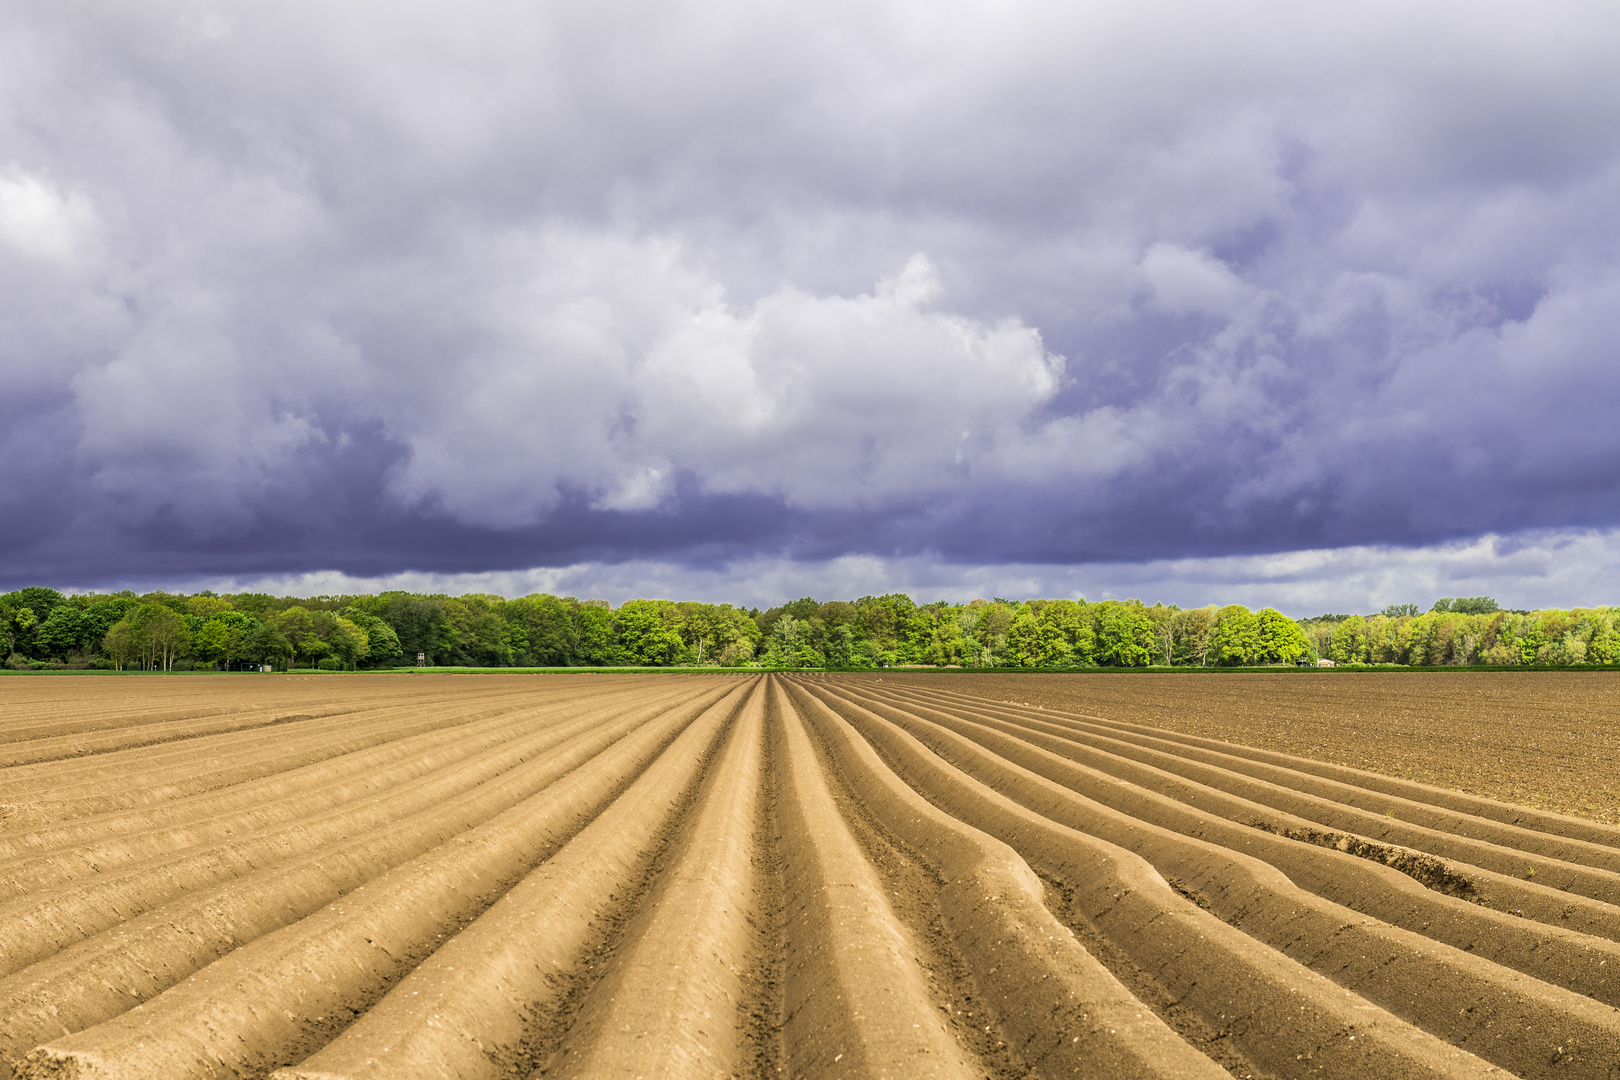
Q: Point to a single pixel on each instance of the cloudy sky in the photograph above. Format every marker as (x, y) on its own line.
(1306, 304)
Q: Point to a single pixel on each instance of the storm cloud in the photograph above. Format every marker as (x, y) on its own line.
(373, 289)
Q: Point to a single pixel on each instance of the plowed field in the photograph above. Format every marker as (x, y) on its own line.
(1546, 739)
(821, 876)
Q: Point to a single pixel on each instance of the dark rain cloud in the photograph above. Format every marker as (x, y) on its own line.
(475, 287)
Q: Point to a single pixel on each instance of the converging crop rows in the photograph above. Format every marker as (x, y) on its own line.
(758, 876)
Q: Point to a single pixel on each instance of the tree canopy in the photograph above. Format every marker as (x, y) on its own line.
(43, 628)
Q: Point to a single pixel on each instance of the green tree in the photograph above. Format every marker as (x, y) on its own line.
(1032, 642)
(421, 624)
(786, 636)
(206, 605)
(382, 644)
(1466, 605)
(1280, 640)
(167, 634)
(1532, 639)
(59, 634)
(1164, 632)
(946, 644)
(480, 637)
(1073, 620)
(1604, 646)
(882, 621)
(1237, 636)
(153, 633)
(550, 629)
(840, 651)
(239, 628)
(1350, 644)
(1195, 634)
(31, 608)
(99, 616)
(343, 638)
(24, 627)
(268, 645)
(597, 646)
(297, 625)
(645, 638)
(1124, 633)
(121, 644)
(210, 641)
(991, 629)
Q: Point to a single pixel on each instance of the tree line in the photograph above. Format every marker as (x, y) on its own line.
(42, 628)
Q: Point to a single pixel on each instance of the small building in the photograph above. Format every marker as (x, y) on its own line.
(1326, 663)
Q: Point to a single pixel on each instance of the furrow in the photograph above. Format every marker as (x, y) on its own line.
(1513, 885)
(856, 999)
(95, 722)
(106, 975)
(63, 756)
(491, 783)
(1474, 1003)
(465, 1012)
(1067, 1014)
(669, 1002)
(1543, 821)
(75, 746)
(140, 766)
(350, 775)
(265, 1004)
(139, 723)
(155, 766)
(198, 769)
(1279, 1013)
(1351, 807)
(1311, 814)
(1367, 884)
(59, 757)
(91, 704)
(284, 827)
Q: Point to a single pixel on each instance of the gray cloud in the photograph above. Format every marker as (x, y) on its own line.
(1535, 570)
(479, 288)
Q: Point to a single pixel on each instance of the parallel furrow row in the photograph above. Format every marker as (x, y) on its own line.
(87, 748)
(401, 769)
(147, 776)
(819, 876)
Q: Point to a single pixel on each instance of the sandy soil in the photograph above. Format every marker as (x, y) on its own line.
(1548, 739)
(818, 876)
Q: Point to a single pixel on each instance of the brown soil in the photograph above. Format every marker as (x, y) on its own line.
(826, 876)
(1547, 739)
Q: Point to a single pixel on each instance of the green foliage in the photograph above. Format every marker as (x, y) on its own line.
(647, 635)
(1237, 636)
(152, 634)
(43, 628)
(596, 643)
(1466, 605)
(382, 644)
(268, 645)
(1124, 634)
(1280, 638)
(60, 633)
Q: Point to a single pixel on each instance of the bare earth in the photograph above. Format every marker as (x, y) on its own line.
(1548, 739)
(378, 876)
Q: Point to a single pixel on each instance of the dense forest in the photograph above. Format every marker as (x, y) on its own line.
(41, 628)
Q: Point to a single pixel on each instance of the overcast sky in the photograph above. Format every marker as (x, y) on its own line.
(1306, 304)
